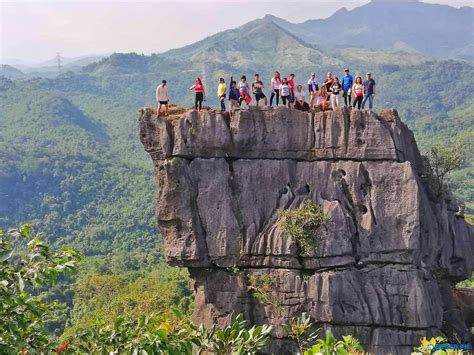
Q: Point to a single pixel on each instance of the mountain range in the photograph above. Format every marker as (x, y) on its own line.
(70, 160)
(440, 31)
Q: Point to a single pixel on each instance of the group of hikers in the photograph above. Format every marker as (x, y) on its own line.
(355, 92)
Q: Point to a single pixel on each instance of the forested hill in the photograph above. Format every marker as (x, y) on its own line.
(70, 160)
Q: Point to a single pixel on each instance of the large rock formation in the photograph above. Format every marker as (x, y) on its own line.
(384, 262)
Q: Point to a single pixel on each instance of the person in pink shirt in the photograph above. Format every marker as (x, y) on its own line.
(291, 84)
(198, 88)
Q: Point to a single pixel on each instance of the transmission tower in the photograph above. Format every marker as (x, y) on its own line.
(58, 60)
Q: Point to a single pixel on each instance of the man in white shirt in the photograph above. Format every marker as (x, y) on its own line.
(162, 98)
(300, 96)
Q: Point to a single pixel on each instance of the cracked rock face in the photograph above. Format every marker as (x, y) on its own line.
(382, 265)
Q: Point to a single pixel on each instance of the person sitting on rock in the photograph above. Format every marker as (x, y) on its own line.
(300, 102)
(313, 88)
(162, 98)
(257, 89)
(198, 88)
(233, 95)
(322, 102)
(221, 90)
(358, 91)
(285, 92)
(243, 90)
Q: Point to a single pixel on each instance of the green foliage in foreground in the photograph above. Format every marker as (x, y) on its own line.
(308, 343)
(302, 225)
(27, 263)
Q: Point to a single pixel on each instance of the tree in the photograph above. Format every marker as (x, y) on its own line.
(27, 263)
(302, 224)
(444, 160)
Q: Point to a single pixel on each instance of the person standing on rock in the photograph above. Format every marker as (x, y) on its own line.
(369, 91)
(221, 90)
(358, 91)
(327, 83)
(244, 90)
(300, 102)
(285, 92)
(198, 88)
(335, 91)
(233, 95)
(347, 82)
(162, 98)
(313, 89)
(257, 89)
(275, 85)
(291, 83)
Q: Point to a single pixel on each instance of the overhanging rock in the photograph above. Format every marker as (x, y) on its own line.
(383, 263)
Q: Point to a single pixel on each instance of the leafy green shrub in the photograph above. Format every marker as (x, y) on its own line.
(302, 224)
(23, 315)
(299, 329)
(142, 335)
(442, 162)
(331, 346)
(233, 339)
(261, 288)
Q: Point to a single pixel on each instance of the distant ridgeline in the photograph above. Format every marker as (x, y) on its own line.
(70, 163)
(379, 268)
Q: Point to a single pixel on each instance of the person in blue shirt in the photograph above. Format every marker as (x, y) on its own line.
(347, 82)
(369, 91)
(233, 95)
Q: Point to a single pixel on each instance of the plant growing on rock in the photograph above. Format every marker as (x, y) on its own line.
(443, 161)
(261, 288)
(302, 224)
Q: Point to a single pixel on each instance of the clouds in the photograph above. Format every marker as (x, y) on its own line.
(36, 30)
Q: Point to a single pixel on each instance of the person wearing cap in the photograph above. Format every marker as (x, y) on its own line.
(313, 89)
(347, 82)
(369, 91)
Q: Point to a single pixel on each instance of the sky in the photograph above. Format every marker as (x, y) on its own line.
(34, 31)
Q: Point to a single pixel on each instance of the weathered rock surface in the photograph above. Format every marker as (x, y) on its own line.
(381, 264)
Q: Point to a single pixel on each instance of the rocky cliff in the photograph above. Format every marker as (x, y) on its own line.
(384, 263)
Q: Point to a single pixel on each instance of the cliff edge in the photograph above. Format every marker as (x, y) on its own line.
(384, 263)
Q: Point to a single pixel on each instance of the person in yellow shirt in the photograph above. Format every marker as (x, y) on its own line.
(221, 90)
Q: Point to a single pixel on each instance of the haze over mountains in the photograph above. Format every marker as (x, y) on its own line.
(70, 155)
(435, 30)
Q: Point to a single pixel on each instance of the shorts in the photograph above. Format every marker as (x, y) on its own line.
(259, 96)
(222, 97)
(163, 102)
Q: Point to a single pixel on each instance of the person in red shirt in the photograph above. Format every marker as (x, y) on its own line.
(291, 84)
(198, 88)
